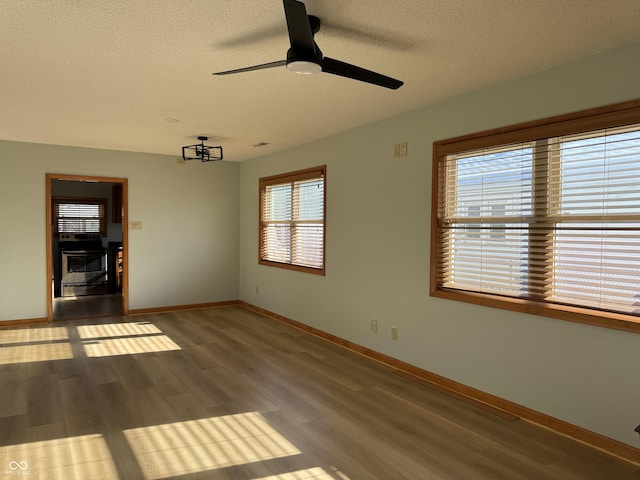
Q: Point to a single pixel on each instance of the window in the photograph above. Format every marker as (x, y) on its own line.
(80, 215)
(498, 229)
(543, 217)
(292, 220)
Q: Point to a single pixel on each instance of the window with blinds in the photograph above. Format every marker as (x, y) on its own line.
(543, 217)
(80, 215)
(292, 220)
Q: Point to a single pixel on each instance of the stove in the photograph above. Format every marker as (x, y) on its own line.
(82, 264)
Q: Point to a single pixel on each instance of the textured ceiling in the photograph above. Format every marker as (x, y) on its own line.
(136, 75)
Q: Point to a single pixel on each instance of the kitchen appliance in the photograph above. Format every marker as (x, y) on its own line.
(82, 264)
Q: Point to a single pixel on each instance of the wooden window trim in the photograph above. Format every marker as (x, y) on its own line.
(299, 175)
(582, 121)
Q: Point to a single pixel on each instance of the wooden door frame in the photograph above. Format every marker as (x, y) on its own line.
(50, 177)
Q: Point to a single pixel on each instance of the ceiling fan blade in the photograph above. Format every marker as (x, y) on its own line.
(336, 67)
(279, 63)
(300, 34)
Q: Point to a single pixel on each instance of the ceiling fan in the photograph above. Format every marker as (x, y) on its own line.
(305, 58)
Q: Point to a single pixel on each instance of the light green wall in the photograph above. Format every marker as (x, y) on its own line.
(377, 257)
(186, 252)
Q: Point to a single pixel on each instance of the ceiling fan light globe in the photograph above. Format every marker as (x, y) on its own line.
(303, 67)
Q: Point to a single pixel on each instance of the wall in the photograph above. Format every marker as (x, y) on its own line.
(377, 260)
(186, 252)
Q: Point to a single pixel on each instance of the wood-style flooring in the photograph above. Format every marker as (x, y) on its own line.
(65, 308)
(225, 393)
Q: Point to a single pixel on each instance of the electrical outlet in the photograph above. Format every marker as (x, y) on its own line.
(394, 333)
(374, 326)
(257, 290)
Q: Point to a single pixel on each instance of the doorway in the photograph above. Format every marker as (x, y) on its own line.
(87, 246)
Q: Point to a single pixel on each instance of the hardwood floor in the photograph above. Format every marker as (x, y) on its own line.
(86, 306)
(225, 393)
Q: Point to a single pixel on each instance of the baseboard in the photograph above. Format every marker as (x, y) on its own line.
(502, 407)
(176, 308)
(22, 321)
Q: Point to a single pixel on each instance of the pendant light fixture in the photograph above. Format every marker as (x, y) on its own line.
(202, 152)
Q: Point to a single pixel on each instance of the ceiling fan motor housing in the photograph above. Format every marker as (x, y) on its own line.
(303, 62)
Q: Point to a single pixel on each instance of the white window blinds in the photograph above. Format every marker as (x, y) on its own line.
(80, 215)
(292, 219)
(553, 220)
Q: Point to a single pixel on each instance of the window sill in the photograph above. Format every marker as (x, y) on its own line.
(297, 268)
(617, 321)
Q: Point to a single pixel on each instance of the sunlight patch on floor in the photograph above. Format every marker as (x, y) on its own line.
(308, 474)
(39, 352)
(25, 335)
(206, 444)
(128, 346)
(74, 458)
(117, 330)
(110, 339)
